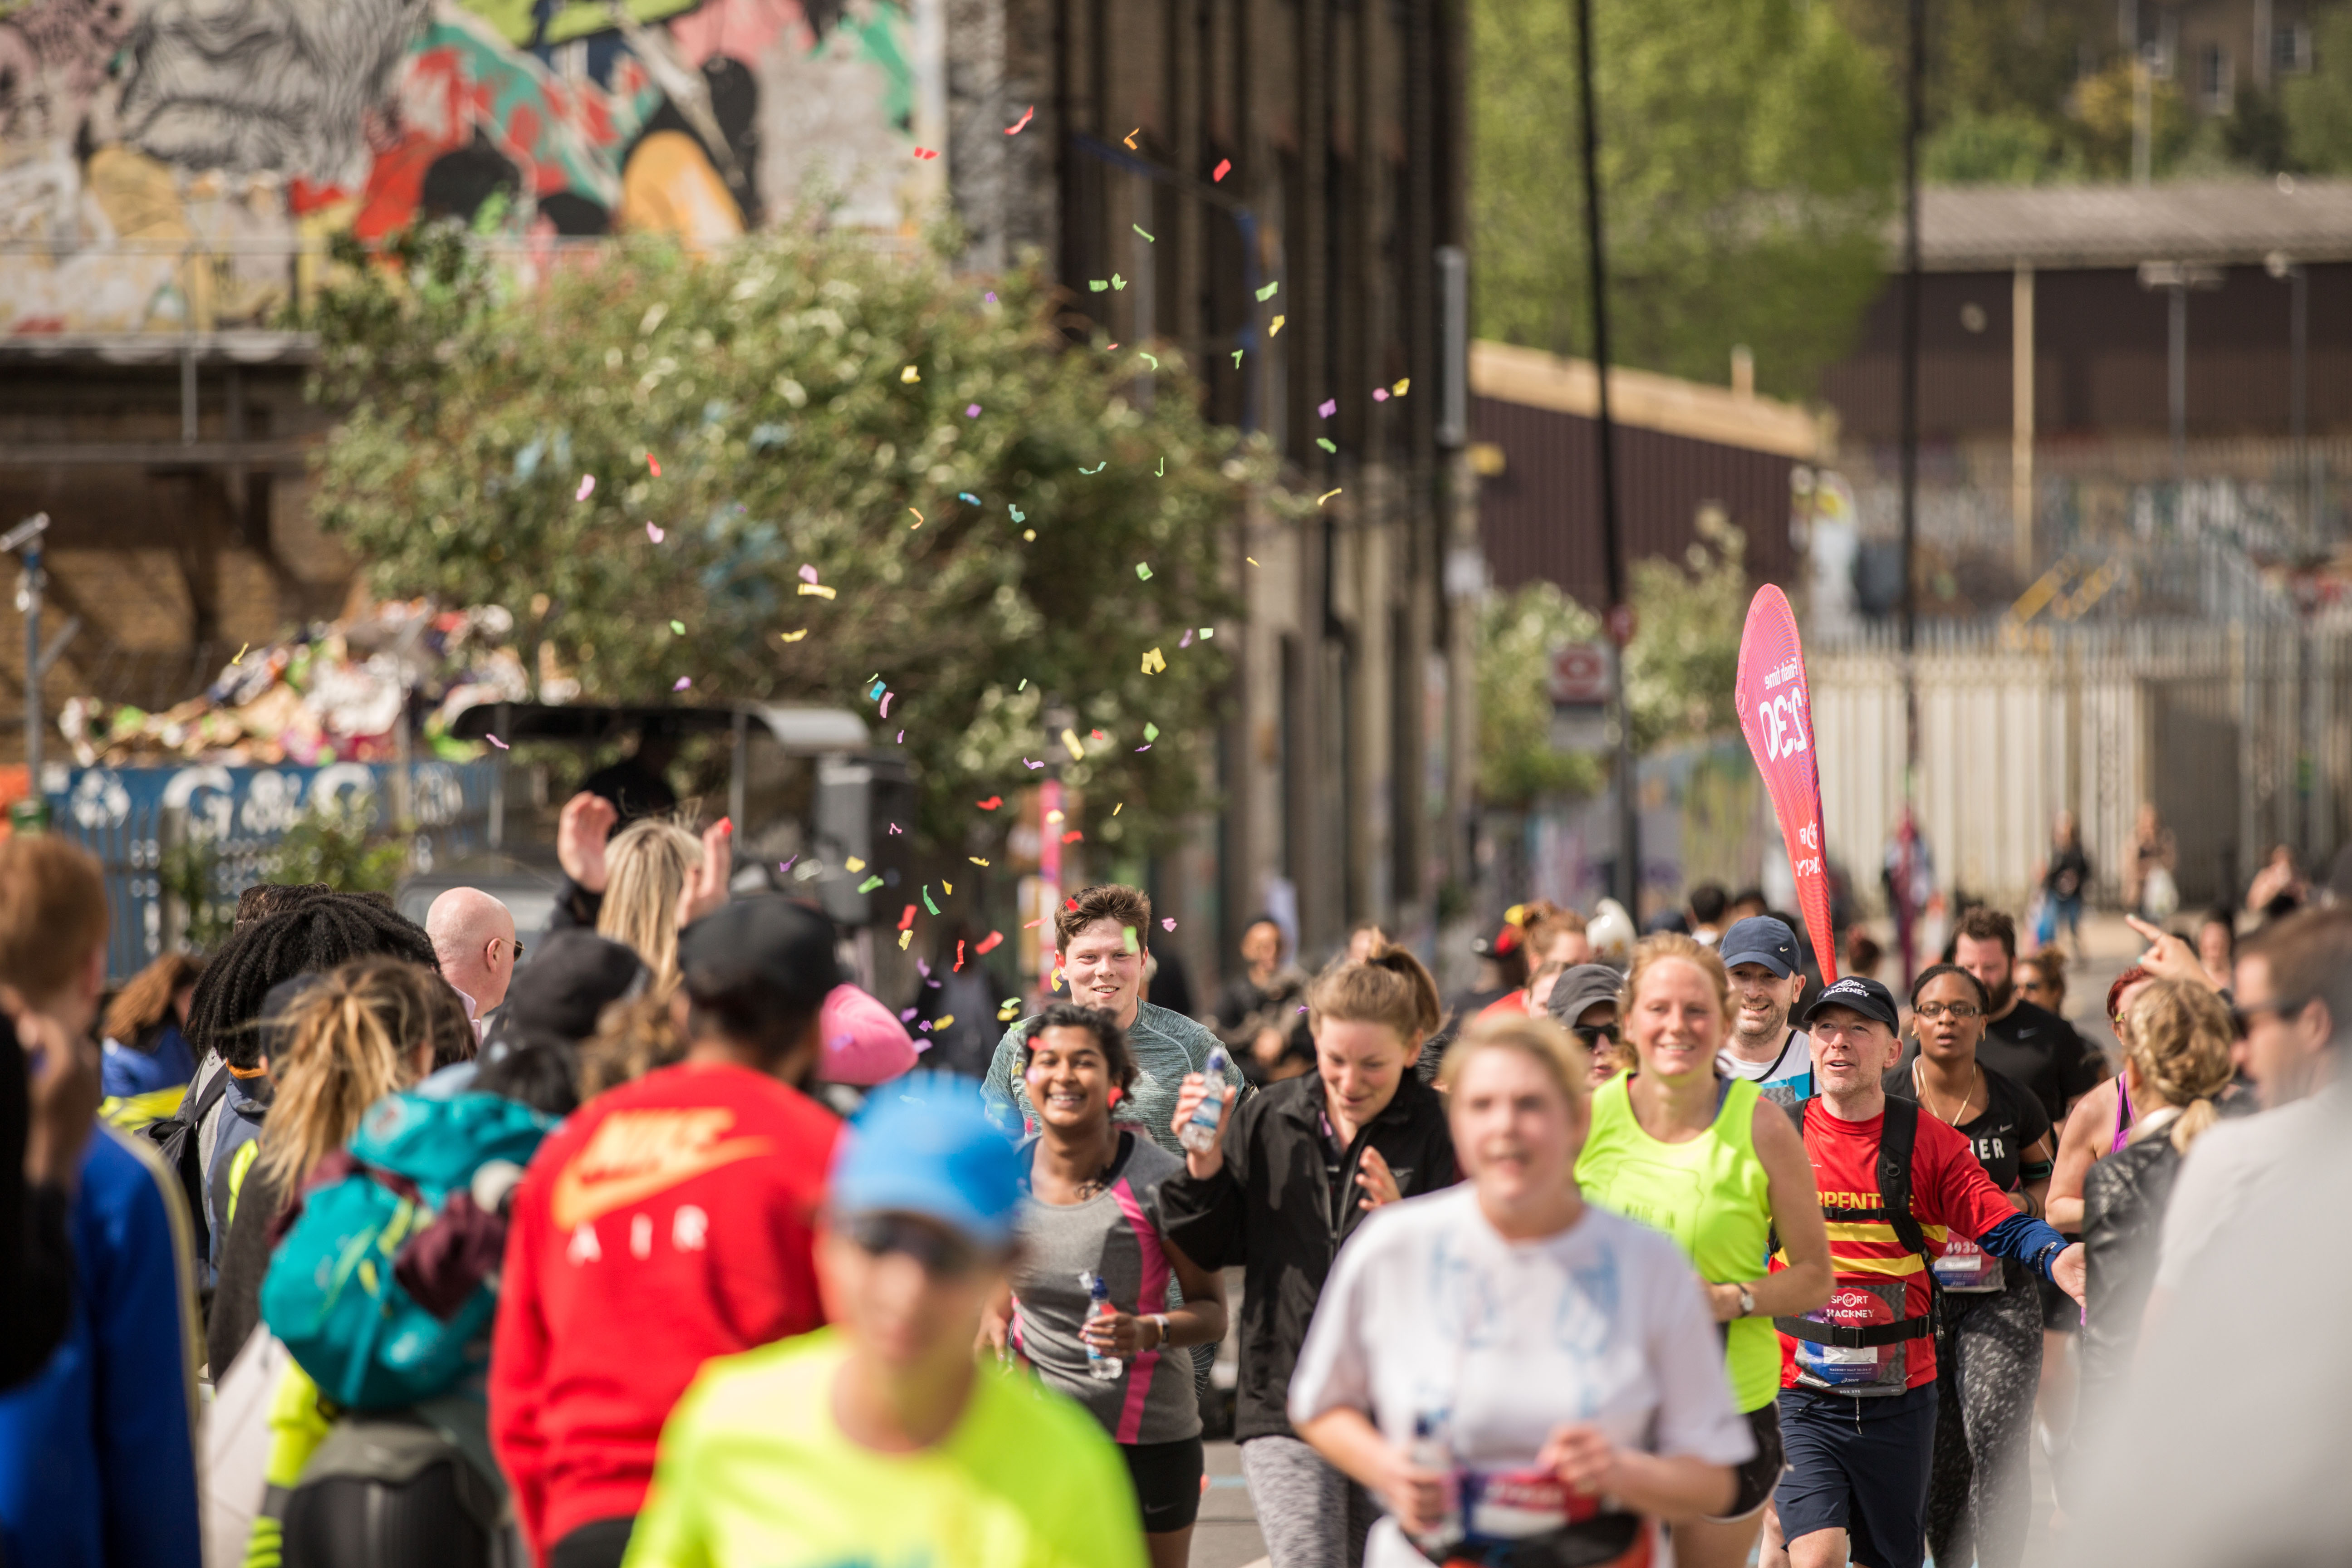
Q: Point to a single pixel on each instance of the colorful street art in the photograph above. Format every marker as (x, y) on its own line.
(174, 164)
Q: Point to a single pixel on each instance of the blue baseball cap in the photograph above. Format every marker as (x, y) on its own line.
(1760, 938)
(924, 1145)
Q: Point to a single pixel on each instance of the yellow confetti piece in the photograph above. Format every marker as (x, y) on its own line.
(910, 375)
(975, 859)
(1327, 495)
(904, 938)
(948, 887)
(1114, 810)
(1053, 816)
(1402, 386)
(918, 522)
(1129, 139)
(1251, 559)
(1275, 329)
(853, 864)
(1070, 740)
(794, 637)
(943, 1020)
(1153, 663)
(817, 590)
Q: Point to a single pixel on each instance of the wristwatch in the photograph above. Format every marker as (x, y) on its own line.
(1747, 1301)
(1160, 1320)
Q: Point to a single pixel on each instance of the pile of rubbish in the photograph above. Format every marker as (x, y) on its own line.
(333, 694)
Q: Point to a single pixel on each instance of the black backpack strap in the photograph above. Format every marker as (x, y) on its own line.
(1898, 1136)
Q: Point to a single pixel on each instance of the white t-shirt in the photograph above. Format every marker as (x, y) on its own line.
(1794, 1062)
(2225, 1179)
(1430, 1311)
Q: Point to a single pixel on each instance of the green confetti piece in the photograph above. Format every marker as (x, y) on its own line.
(868, 885)
(1143, 572)
(1153, 358)
(1117, 281)
(1024, 685)
(1162, 471)
(1132, 945)
(1269, 292)
(1325, 443)
(1097, 468)
(927, 899)
(1097, 285)
(1151, 732)
(678, 628)
(1237, 359)
(1147, 238)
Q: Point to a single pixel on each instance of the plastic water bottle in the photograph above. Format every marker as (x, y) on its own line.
(1432, 1450)
(1100, 1367)
(1200, 1131)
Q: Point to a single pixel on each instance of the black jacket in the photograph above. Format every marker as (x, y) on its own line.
(2124, 1199)
(1272, 1211)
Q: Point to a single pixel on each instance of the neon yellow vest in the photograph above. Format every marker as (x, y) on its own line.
(1709, 1194)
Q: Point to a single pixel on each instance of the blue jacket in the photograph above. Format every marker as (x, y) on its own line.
(98, 1466)
(164, 1061)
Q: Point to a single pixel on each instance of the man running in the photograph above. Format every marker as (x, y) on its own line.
(1101, 939)
(1760, 953)
(1858, 1376)
(2028, 1045)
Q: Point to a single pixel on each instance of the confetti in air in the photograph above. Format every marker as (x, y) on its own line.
(494, 741)
(1327, 495)
(1097, 468)
(1129, 139)
(1327, 407)
(1153, 661)
(1147, 238)
(1168, 923)
(1269, 292)
(241, 652)
(989, 942)
(919, 520)
(992, 802)
(1142, 573)
(1274, 329)
(654, 463)
(678, 628)
(967, 495)
(926, 154)
(587, 488)
(910, 375)
(1016, 128)
(1224, 167)
(654, 533)
(816, 590)
(1323, 443)
(683, 682)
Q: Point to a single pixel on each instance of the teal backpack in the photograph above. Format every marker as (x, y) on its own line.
(384, 1286)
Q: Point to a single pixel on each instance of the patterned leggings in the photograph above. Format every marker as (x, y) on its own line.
(1979, 1490)
(1309, 1515)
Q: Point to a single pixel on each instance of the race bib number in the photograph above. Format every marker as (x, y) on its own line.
(1968, 1268)
(1511, 1505)
(1866, 1369)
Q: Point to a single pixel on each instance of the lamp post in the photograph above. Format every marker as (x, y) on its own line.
(24, 540)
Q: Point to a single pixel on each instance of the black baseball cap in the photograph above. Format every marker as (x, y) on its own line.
(1760, 938)
(1580, 987)
(767, 956)
(567, 983)
(1859, 994)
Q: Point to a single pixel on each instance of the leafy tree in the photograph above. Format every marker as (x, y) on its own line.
(1747, 155)
(1684, 657)
(2006, 147)
(998, 517)
(339, 842)
(2102, 119)
(2318, 106)
(1518, 634)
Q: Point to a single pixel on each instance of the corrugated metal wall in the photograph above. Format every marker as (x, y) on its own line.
(1539, 518)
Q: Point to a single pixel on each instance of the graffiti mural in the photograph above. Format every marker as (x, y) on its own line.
(137, 133)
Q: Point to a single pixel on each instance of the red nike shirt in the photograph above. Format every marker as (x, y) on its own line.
(665, 1222)
(1950, 1192)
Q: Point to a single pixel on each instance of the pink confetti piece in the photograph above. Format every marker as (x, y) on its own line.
(654, 463)
(1021, 124)
(494, 741)
(587, 488)
(1224, 167)
(972, 410)
(901, 740)
(991, 296)
(653, 534)
(784, 866)
(1379, 395)
(886, 703)
(808, 573)
(1186, 641)
(1143, 747)
(1027, 763)
(926, 154)
(1330, 406)
(683, 682)
(1168, 923)
(894, 828)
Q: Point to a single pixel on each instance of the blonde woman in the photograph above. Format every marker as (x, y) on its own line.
(1521, 1377)
(2175, 1064)
(1715, 1164)
(1294, 1171)
(643, 885)
(356, 1035)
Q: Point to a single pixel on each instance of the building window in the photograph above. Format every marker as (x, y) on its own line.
(2291, 46)
(2213, 83)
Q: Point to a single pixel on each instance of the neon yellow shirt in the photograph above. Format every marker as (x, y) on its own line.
(753, 1469)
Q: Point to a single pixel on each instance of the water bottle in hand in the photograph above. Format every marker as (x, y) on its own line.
(1198, 1132)
(1432, 1450)
(1100, 1367)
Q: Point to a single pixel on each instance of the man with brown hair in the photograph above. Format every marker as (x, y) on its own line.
(1102, 941)
(2032, 1046)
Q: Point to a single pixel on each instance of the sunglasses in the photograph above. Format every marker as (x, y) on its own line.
(1593, 1033)
(942, 1253)
(2242, 1016)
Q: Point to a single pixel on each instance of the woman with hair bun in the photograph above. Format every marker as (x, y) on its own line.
(1291, 1174)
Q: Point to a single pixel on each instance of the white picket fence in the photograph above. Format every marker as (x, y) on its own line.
(2239, 730)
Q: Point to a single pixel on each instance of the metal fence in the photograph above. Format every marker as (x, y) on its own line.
(2239, 733)
(133, 819)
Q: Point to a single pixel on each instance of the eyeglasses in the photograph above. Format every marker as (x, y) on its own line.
(1958, 1012)
(2243, 1015)
(1593, 1033)
(942, 1253)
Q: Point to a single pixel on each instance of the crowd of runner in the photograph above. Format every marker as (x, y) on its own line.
(1650, 1250)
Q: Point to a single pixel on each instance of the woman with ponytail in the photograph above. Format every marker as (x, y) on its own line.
(2175, 1064)
(1290, 1175)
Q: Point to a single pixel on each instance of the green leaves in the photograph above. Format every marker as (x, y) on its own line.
(767, 382)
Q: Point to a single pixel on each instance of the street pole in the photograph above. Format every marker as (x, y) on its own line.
(1621, 611)
(1906, 926)
(24, 540)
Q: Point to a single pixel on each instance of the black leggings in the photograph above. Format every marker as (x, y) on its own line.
(1979, 1491)
(353, 1522)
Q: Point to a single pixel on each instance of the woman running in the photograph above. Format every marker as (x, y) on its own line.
(2100, 1122)
(1710, 1162)
(1522, 1377)
(1094, 1213)
(2177, 1066)
(1979, 1493)
(1286, 1181)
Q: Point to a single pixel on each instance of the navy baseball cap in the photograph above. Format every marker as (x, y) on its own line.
(1858, 995)
(924, 1145)
(1760, 938)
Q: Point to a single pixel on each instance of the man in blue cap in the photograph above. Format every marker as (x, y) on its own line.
(1760, 953)
(879, 1439)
